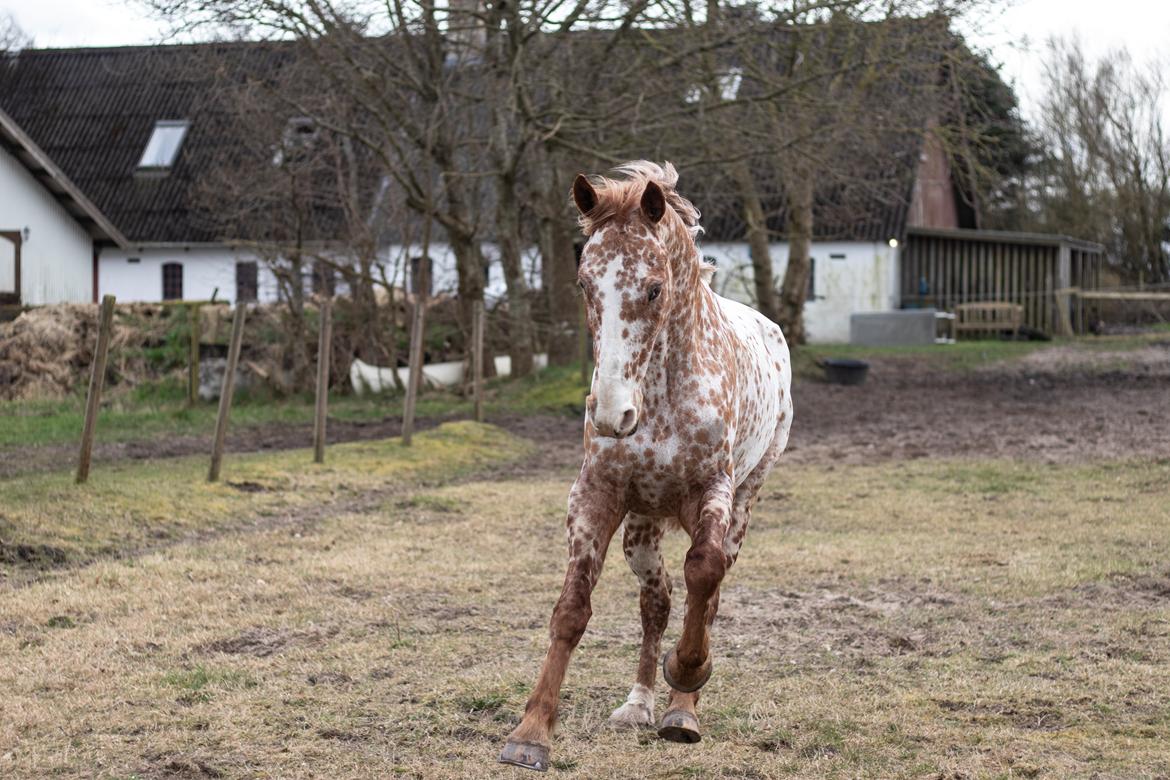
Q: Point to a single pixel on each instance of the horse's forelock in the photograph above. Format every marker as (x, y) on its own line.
(618, 198)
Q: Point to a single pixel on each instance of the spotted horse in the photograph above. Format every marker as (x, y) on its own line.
(689, 409)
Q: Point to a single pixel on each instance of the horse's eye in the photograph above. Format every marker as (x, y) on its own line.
(655, 290)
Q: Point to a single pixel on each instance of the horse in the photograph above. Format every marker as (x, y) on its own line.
(689, 409)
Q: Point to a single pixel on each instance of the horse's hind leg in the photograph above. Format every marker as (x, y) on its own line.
(641, 543)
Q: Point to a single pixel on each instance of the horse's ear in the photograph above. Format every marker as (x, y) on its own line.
(653, 202)
(583, 194)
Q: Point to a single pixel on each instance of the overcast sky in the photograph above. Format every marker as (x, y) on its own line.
(1016, 36)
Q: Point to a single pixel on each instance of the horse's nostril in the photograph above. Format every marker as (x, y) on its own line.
(629, 421)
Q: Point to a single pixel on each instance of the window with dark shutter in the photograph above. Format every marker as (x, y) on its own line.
(172, 281)
(811, 295)
(247, 281)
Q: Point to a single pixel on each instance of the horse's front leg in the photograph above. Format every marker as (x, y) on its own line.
(688, 667)
(594, 515)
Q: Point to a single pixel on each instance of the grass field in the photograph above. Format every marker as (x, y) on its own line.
(161, 410)
(386, 615)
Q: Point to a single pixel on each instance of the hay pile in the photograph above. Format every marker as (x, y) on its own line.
(46, 352)
(43, 350)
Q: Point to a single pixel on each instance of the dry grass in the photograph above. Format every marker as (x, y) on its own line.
(46, 520)
(954, 619)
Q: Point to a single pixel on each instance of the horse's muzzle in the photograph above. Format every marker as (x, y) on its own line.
(611, 422)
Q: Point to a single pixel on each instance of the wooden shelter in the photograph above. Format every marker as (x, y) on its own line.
(942, 268)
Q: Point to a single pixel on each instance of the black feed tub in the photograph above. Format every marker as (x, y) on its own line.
(841, 371)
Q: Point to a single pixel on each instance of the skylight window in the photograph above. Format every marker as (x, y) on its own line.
(163, 147)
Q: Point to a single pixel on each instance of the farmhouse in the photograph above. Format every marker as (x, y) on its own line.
(107, 162)
(125, 126)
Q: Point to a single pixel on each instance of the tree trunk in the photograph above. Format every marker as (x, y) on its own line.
(469, 268)
(757, 236)
(519, 307)
(558, 267)
(296, 308)
(794, 289)
(469, 261)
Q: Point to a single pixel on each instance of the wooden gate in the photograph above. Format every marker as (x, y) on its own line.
(943, 268)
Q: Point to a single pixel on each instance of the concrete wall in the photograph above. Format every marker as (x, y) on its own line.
(850, 277)
(56, 261)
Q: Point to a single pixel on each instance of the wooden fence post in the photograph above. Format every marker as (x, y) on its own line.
(324, 348)
(477, 328)
(225, 394)
(414, 375)
(97, 378)
(193, 355)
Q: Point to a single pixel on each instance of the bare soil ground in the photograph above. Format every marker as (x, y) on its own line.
(1052, 406)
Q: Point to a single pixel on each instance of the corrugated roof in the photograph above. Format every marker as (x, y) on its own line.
(93, 110)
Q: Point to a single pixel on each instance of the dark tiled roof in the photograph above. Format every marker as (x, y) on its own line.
(93, 110)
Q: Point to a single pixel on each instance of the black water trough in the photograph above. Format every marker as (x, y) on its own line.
(842, 371)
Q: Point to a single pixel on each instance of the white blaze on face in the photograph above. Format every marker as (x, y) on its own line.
(615, 379)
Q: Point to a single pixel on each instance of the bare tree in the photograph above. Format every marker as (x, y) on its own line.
(808, 105)
(306, 200)
(1106, 172)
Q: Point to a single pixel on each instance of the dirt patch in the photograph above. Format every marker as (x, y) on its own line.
(1031, 714)
(830, 626)
(1061, 360)
(261, 642)
(36, 556)
(908, 409)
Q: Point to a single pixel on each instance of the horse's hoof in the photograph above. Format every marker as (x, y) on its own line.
(680, 726)
(528, 755)
(632, 715)
(704, 674)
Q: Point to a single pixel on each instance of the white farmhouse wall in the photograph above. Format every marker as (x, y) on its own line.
(56, 260)
(135, 275)
(850, 277)
(445, 277)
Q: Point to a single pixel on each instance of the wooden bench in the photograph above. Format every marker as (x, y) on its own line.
(992, 317)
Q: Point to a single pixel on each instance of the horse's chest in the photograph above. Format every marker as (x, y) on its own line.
(665, 462)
